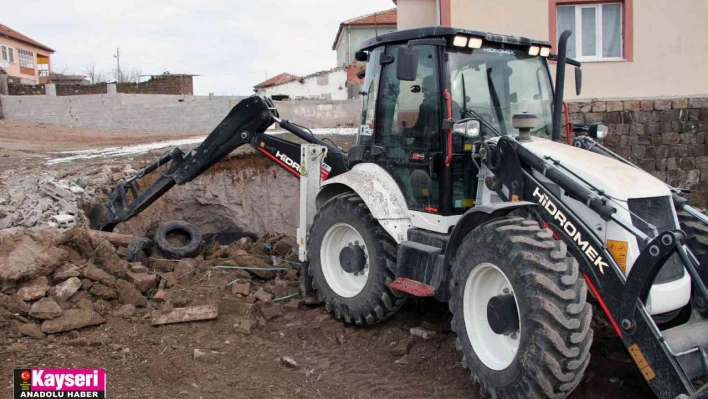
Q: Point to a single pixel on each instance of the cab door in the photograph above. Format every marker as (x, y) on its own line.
(407, 139)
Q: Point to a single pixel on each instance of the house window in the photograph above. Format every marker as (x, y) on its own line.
(26, 58)
(8, 54)
(597, 30)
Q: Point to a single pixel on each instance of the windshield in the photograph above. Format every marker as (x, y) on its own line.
(495, 84)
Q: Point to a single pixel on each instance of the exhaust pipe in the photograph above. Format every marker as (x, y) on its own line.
(560, 84)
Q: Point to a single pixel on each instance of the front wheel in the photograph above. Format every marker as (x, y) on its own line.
(352, 261)
(519, 311)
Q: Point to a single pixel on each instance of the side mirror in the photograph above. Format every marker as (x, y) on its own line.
(407, 66)
(469, 128)
(598, 131)
(361, 56)
(578, 80)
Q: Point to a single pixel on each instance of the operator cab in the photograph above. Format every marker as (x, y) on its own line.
(431, 94)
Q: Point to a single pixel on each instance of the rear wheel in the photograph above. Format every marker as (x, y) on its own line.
(519, 311)
(696, 233)
(352, 262)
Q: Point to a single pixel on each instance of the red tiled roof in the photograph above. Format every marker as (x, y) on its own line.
(277, 80)
(382, 18)
(13, 34)
(388, 17)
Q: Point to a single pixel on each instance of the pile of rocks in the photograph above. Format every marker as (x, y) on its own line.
(53, 281)
(28, 201)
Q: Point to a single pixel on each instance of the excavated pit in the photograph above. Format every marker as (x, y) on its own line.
(245, 193)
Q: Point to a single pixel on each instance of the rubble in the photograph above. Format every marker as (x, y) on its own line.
(72, 319)
(65, 289)
(128, 294)
(422, 333)
(31, 330)
(289, 362)
(402, 348)
(32, 292)
(181, 315)
(45, 309)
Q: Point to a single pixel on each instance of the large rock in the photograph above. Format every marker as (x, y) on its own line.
(21, 257)
(65, 289)
(32, 292)
(128, 294)
(45, 309)
(142, 281)
(95, 274)
(14, 304)
(103, 291)
(71, 320)
(31, 330)
(66, 272)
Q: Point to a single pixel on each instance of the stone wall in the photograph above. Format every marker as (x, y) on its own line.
(79, 90)
(17, 89)
(664, 136)
(160, 84)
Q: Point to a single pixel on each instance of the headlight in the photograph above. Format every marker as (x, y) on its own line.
(467, 127)
(475, 42)
(598, 131)
(534, 50)
(545, 51)
(460, 41)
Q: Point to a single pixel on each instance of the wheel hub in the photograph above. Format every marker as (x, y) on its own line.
(491, 323)
(352, 258)
(502, 315)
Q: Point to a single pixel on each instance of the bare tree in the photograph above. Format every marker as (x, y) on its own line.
(127, 76)
(93, 74)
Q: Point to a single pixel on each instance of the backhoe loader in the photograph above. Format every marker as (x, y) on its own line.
(460, 189)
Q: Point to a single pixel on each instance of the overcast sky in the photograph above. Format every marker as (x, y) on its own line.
(231, 44)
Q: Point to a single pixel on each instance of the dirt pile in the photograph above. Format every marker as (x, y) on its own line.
(54, 199)
(52, 282)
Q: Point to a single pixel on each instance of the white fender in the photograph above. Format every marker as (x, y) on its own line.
(379, 192)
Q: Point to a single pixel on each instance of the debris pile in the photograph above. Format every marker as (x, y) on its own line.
(54, 281)
(29, 201)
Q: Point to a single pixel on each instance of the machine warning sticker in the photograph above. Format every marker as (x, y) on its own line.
(324, 171)
(618, 250)
(641, 361)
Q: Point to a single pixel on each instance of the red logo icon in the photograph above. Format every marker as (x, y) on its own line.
(25, 375)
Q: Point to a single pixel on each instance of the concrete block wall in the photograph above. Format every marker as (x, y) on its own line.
(664, 136)
(163, 113)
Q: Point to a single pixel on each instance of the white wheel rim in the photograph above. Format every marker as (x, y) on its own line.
(342, 283)
(496, 351)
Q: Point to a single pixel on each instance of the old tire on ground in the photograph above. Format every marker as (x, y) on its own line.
(696, 232)
(356, 297)
(547, 354)
(138, 250)
(184, 229)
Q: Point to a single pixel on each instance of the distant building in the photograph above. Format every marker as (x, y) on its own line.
(24, 58)
(323, 85)
(342, 82)
(353, 32)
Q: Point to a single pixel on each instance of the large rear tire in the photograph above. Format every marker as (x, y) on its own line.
(545, 350)
(696, 233)
(362, 294)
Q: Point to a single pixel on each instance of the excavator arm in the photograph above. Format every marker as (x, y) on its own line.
(246, 123)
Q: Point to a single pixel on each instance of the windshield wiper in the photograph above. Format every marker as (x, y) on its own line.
(495, 101)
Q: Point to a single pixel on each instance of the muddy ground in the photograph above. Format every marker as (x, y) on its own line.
(219, 358)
